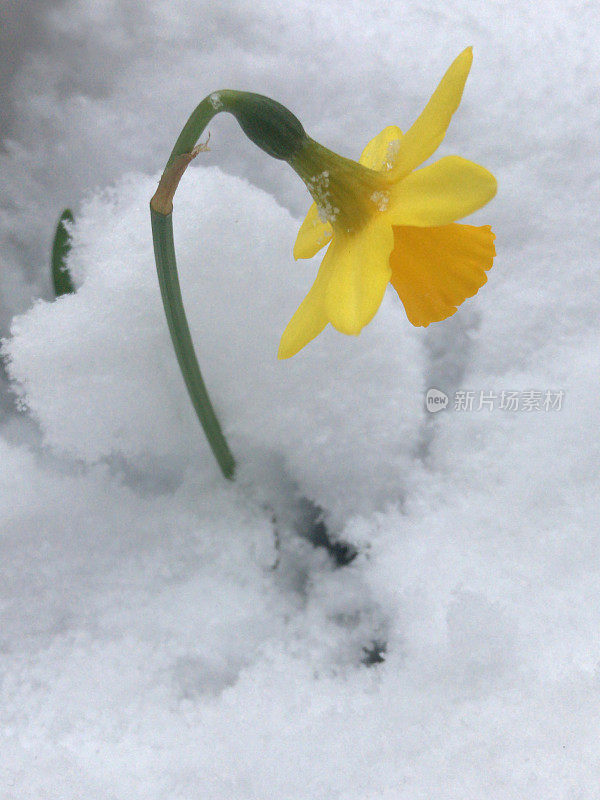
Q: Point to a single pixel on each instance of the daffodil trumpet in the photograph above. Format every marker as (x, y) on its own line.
(383, 221)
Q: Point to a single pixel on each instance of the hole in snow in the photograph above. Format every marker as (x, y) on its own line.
(311, 525)
(374, 653)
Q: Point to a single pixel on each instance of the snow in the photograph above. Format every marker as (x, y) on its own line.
(121, 393)
(167, 634)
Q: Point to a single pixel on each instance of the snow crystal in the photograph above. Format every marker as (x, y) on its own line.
(318, 186)
(391, 154)
(381, 200)
(215, 101)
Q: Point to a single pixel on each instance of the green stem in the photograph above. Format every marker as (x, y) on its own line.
(166, 265)
(164, 251)
(194, 127)
(274, 129)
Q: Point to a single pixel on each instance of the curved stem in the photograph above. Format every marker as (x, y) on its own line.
(276, 131)
(164, 252)
(161, 207)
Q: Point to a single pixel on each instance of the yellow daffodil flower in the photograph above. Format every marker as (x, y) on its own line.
(387, 222)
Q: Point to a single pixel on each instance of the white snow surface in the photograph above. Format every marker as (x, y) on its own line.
(167, 634)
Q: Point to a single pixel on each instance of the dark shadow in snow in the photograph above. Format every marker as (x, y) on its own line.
(374, 654)
(311, 525)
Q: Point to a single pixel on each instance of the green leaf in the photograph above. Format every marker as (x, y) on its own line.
(61, 277)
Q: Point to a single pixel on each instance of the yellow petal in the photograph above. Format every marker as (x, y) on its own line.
(309, 319)
(382, 151)
(360, 272)
(441, 193)
(425, 135)
(435, 269)
(313, 234)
